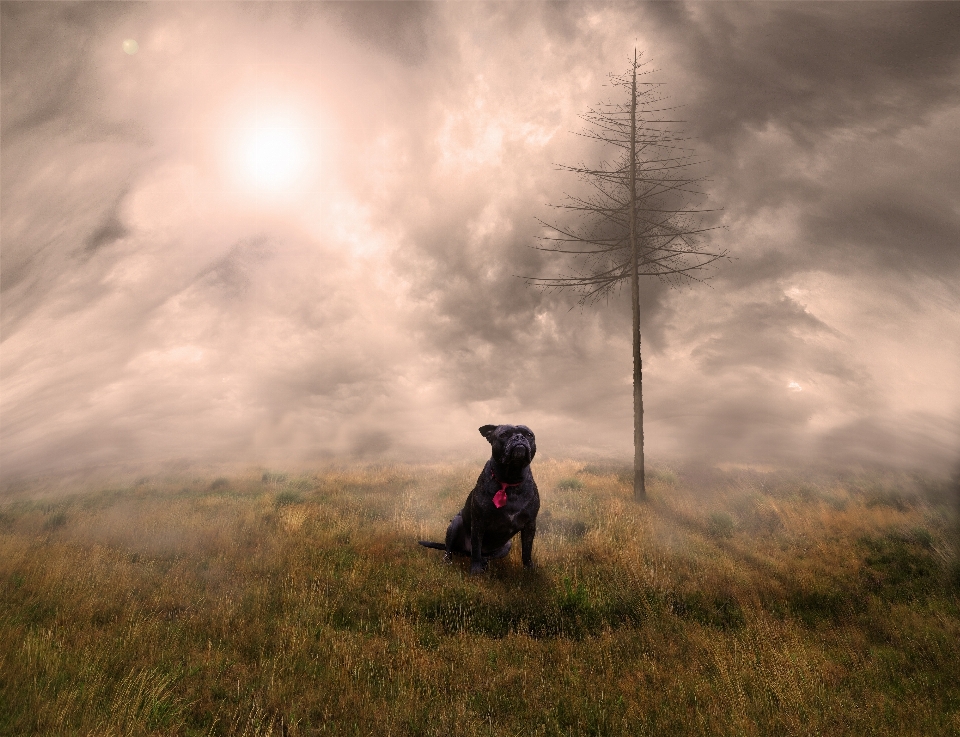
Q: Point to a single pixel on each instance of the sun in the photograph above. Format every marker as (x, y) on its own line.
(272, 152)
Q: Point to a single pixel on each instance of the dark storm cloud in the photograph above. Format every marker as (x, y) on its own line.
(405, 30)
(44, 63)
(110, 230)
(154, 308)
(903, 215)
(65, 161)
(768, 336)
(813, 67)
(845, 112)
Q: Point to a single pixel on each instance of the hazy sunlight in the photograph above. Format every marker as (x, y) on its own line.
(272, 153)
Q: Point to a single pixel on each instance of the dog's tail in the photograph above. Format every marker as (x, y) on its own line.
(435, 546)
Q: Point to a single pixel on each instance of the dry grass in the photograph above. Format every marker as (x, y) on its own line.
(733, 602)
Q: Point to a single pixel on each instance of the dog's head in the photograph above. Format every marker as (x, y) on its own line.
(513, 445)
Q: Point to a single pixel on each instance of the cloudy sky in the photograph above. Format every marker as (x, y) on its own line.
(290, 232)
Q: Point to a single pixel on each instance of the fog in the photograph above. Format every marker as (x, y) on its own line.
(182, 282)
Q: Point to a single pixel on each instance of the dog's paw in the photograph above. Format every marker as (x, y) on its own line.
(448, 559)
(478, 568)
(529, 565)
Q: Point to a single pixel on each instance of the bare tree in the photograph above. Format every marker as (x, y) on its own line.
(635, 218)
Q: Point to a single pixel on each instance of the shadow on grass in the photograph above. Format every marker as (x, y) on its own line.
(566, 609)
(537, 607)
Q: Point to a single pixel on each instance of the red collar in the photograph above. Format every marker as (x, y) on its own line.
(500, 498)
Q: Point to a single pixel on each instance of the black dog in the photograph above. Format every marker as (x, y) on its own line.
(505, 501)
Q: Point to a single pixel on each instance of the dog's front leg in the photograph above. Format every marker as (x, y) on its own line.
(477, 563)
(526, 544)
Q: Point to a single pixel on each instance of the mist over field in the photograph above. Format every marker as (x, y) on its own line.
(285, 233)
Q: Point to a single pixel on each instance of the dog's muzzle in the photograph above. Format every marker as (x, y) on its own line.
(517, 449)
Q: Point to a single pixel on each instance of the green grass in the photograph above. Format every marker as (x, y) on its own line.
(268, 603)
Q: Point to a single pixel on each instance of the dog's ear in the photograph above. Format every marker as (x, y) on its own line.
(488, 430)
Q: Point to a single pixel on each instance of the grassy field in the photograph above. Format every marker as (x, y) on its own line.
(732, 603)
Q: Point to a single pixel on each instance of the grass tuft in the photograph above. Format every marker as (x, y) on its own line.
(720, 524)
(286, 498)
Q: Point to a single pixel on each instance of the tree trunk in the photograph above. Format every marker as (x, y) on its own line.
(639, 485)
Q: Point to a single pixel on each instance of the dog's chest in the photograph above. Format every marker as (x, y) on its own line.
(517, 510)
(518, 518)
